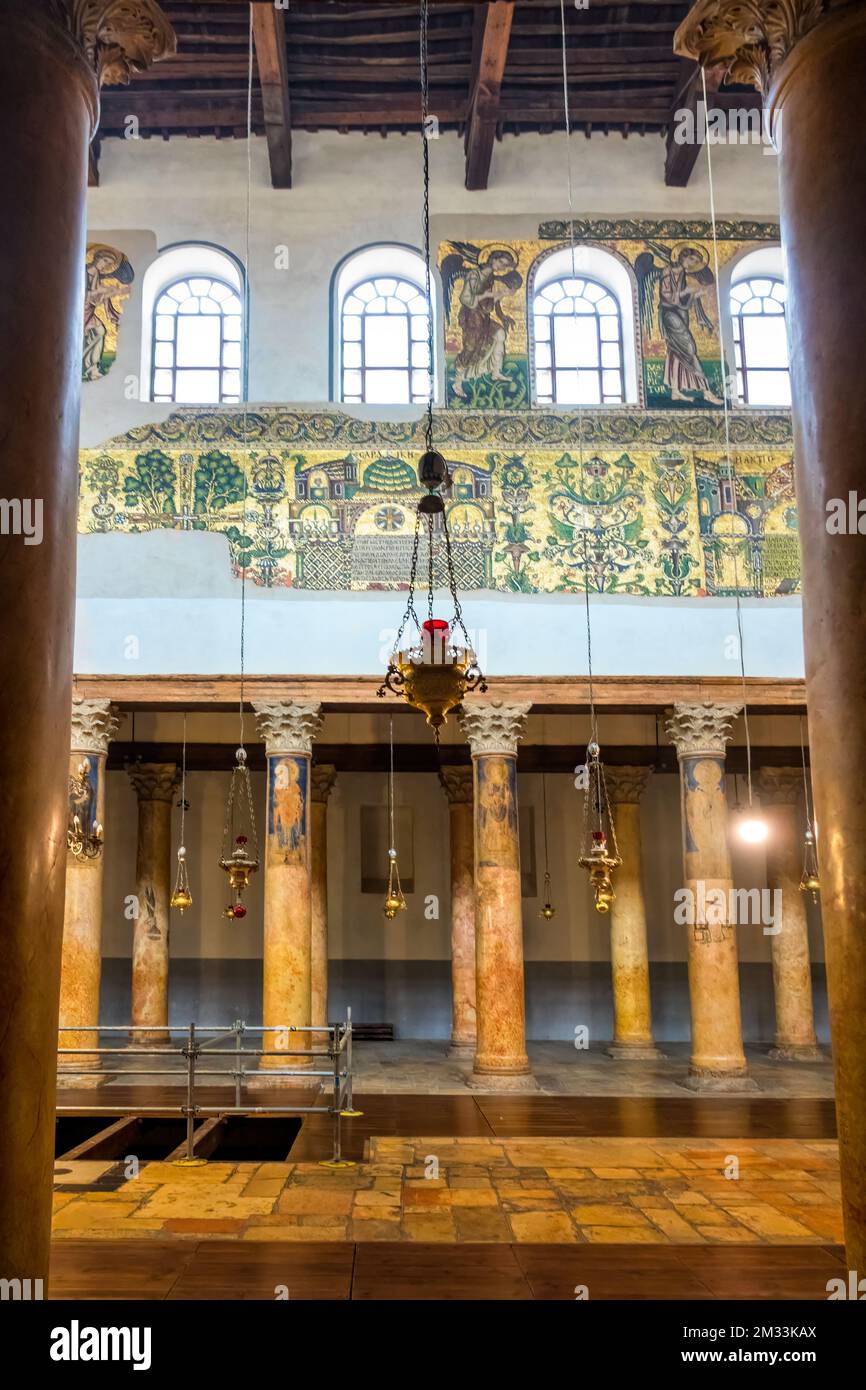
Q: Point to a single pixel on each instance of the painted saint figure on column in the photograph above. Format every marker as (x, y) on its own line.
(287, 812)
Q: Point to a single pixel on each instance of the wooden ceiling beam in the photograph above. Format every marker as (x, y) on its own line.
(269, 34)
(680, 159)
(490, 40)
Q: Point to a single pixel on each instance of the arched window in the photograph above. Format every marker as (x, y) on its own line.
(382, 328)
(582, 329)
(194, 326)
(760, 336)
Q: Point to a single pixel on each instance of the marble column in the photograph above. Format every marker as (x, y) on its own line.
(780, 790)
(457, 784)
(52, 57)
(701, 733)
(323, 777)
(94, 724)
(155, 786)
(493, 731)
(808, 61)
(288, 730)
(629, 957)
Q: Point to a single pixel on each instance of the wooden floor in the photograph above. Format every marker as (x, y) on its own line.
(185, 1270)
(505, 1116)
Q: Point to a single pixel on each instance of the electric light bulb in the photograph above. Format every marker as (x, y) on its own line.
(753, 830)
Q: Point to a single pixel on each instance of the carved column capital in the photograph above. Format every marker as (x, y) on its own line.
(779, 786)
(457, 784)
(626, 784)
(94, 724)
(322, 779)
(289, 726)
(701, 730)
(750, 39)
(493, 727)
(153, 781)
(120, 37)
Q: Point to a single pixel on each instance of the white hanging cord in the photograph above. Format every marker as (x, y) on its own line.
(806, 787)
(730, 469)
(246, 364)
(392, 843)
(183, 786)
(570, 177)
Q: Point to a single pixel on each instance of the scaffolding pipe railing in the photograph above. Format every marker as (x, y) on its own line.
(338, 1052)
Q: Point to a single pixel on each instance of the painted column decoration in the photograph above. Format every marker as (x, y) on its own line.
(807, 58)
(288, 730)
(493, 731)
(780, 790)
(323, 777)
(629, 957)
(94, 724)
(155, 786)
(701, 733)
(457, 783)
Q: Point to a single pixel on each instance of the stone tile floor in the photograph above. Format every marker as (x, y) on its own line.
(534, 1191)
(421, 1067)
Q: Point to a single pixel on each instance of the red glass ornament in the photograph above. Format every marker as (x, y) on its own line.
(239, 910)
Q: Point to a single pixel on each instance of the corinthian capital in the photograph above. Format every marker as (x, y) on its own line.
(288, 727)
(750, 39)
(493, 727)
(120, 37)
(153, 781)
(701, 730)
(457, 784)
(94, 724)
(322, 778)
(626, 784)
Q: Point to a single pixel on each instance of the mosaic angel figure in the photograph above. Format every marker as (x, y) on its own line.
(488, 276)
(673, 289)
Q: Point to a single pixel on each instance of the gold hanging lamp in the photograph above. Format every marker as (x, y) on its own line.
(599, 852)
(395, 900)
(240, 849)
(432, 672)
(181, 898)
(809, 881)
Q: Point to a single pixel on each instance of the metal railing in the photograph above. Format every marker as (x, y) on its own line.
(201, 1040)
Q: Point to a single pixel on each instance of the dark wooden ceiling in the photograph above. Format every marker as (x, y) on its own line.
(495, 69)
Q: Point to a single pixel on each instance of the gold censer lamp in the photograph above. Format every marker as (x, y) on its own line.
(240, 854)
(600, 855)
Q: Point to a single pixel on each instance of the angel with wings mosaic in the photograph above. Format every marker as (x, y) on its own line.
(672, 291)
(489, 276)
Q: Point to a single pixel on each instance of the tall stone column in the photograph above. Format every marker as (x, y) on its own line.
(493, 731)
(323, 777)
(51, 59)
(288, 730)
(701, 733)
(808, 60)
(155, 785)
(457, 783)
(94, 724)
(780, 790)
(629, 957)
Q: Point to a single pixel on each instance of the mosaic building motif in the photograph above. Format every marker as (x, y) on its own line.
(488, 294)
(108, 278)
(648, 504)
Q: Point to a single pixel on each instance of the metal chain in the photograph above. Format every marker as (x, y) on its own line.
(425, 219)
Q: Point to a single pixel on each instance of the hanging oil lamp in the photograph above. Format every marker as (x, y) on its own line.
(181, 898)
(240, 852)
(810, 882)
(433, 671)
(547, 910)
(83, 841)
(600, 853)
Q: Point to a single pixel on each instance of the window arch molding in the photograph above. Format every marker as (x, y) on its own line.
(381, 260)
(756, 328)
(602, 267)
(187, 260)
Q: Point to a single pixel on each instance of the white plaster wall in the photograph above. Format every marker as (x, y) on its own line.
(354, 189)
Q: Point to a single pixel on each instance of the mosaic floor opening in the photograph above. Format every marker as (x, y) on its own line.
(432, 571)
